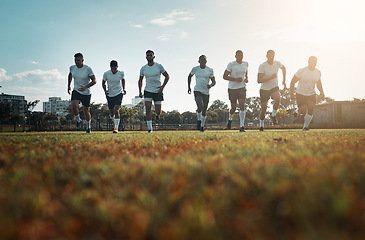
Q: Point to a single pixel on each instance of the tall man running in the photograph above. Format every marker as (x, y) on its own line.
(268, 77)
(236, 73)
(82, 74)
(203, 74)
(114, 93)
(153, 90)
(308, 77)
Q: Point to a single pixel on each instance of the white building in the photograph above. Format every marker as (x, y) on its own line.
(57, 106)
(351, 112)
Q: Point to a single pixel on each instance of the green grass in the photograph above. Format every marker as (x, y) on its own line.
(279, 184)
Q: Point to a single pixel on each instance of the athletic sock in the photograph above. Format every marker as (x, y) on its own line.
(242, 118)
(78, 119)
(149, 125)
(199, 116)
(230, 116)
(203, 120)
(273, 114)
(88, 124)
(116, 123)
(297, 110)
(307, 120)
(262, 123)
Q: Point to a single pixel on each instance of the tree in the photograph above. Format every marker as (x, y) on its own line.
(5, 110)
(189, 117)
(29, 109)
(281, 114)
(218, 104)
(126, 114)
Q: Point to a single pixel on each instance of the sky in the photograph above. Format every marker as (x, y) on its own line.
(39, 38)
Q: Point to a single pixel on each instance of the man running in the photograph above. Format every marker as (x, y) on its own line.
(153, 90)
(268, 77)
(114, 93)
(236, 73)
(201, 90)
(308, 77)
(82, 74)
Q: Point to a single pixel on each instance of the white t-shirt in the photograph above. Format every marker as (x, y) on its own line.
(202, 77)
(269, 70)
(307, 81)
(114, 81)
(237, 71)
(153, 75)
(81, 76)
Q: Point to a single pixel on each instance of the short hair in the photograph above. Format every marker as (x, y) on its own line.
(114, 63)
(239, 51)
(313, 57)
(79, 55)
(270, 51)
(150, 51)
(203, 56)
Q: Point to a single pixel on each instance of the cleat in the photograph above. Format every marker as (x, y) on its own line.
(88, 130)
(202, 129)
(198, 125)
(242, 129)
(78, 126)
(115, 130)
(229, 124)
(261, 129)
(273, 119)
(149, 131)
(157, 117)
(305, 129)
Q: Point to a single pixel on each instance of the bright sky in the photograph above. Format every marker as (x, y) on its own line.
(40, 37)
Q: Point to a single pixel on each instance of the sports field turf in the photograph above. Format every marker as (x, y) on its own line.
(282, 184)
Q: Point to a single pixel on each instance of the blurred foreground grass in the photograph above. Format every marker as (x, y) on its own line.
(283, 184)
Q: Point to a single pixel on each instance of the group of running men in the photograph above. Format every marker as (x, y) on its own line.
(236, 74)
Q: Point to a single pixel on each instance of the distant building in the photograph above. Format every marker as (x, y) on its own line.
(340, 112)
(57, 106)
(17, 103)
(136, 100)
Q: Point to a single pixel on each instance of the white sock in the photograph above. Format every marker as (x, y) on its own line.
(116, 123)
(273, 112)
(199, 115)
(307, 120)
(242, 118)
(203, 120)
(230, 116)
(149, 125)
(297, 111)
(262, 123)
(88, 124)
(78, 119)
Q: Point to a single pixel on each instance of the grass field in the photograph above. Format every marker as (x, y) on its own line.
(279, 184)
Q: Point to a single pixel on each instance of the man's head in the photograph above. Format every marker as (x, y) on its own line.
(239, 56)
(202, 60)
(150, 56)
(79, 60)
(114, 66)
(312, 62)
(270, 55)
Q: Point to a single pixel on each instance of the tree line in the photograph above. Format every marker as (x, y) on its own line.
(133, 118)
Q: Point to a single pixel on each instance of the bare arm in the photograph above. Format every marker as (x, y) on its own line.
(104, 87)
(292, 84)
(92, 83)
(189, 82)
(283, 69)
(229, 78)
(213, 83)
(69, 83)
(320, 88)
(123, 86)
(261, 79)
(167, 77)
(140, 81)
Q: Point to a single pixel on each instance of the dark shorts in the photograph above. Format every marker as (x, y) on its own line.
(302, 99)
(156, 97)
(114, 101)
(235, 94)
(266, 94)
(84, 99)
(204, 97)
